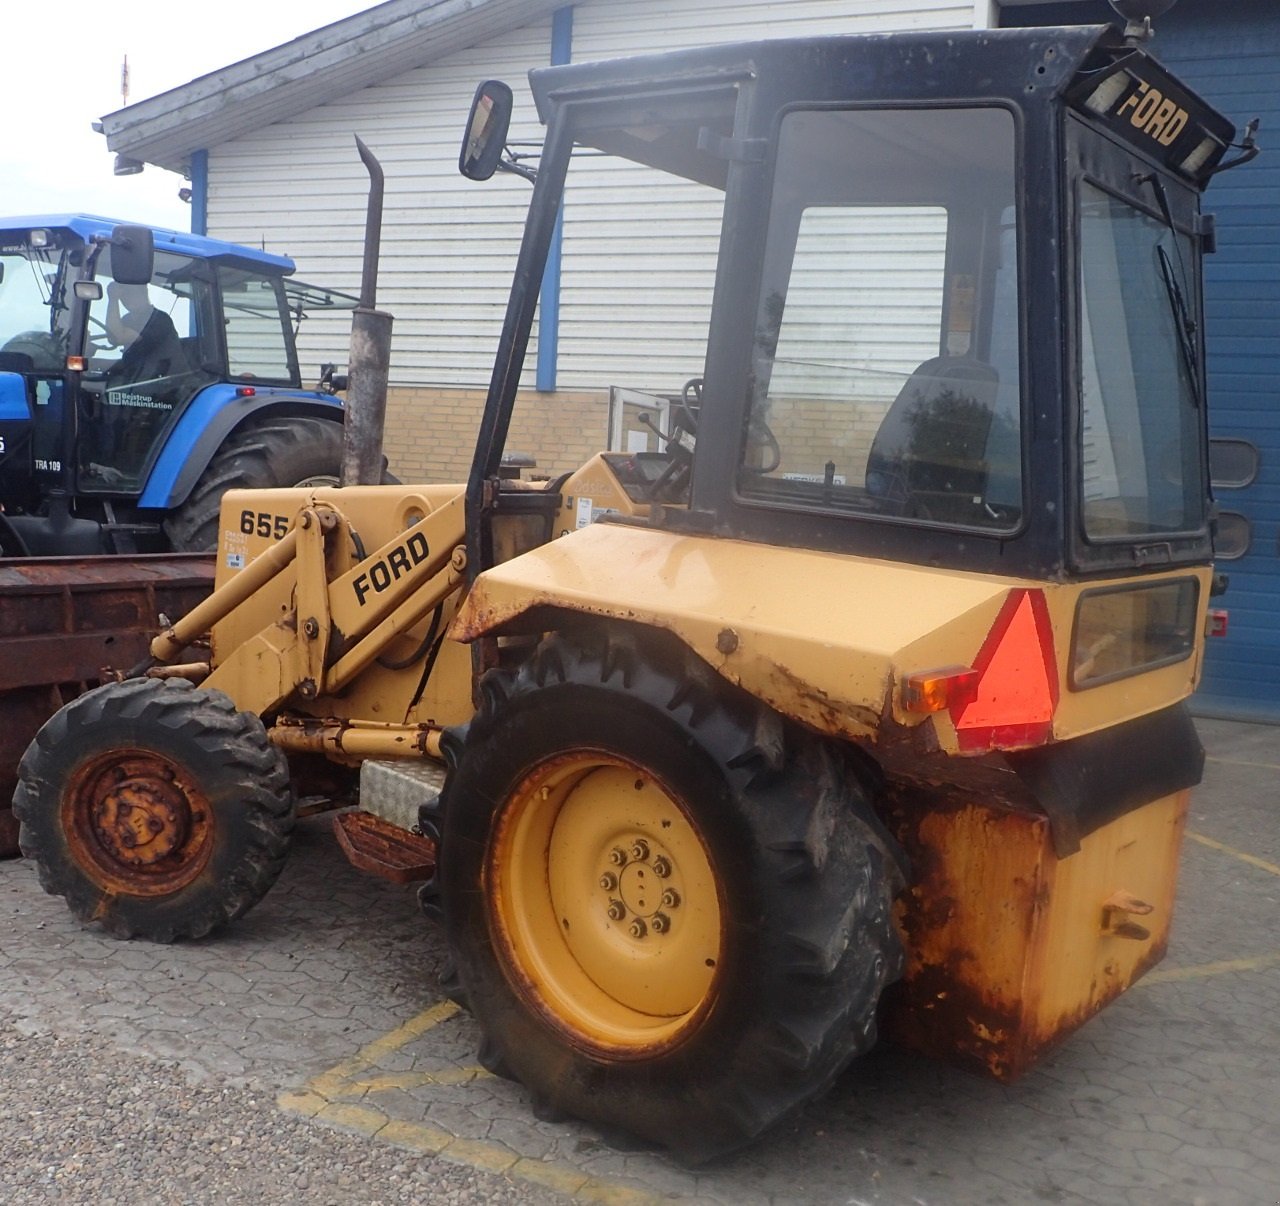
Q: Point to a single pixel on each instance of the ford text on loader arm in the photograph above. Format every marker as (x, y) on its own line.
(869, 687)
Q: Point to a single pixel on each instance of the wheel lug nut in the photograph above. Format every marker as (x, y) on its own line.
(661, 923)
(608, 881)
(671, 899)
(618, 857)
(661, 867)
(638, 929)
(617, 910)
(640, 850)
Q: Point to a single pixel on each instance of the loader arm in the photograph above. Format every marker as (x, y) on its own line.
(341, 613)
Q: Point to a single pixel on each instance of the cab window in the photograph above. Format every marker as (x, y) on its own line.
(1141, 423)
(886, 375)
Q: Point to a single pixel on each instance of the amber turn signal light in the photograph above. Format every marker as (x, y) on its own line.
(938, 690)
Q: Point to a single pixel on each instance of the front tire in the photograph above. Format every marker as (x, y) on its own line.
(668, 914)
(155, 808)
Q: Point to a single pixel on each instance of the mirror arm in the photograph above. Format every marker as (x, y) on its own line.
(517, 169)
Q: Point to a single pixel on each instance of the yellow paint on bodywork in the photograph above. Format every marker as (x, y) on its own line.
(825, 638)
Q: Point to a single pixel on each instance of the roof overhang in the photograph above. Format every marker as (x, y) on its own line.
(330, 62)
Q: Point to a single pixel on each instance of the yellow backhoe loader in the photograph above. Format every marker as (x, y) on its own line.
(860, 697)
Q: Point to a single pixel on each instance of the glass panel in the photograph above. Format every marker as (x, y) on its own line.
(886, 373)
(1125, 631)
(1233, 464)
(1141, 422)
(1232, 536)
(256, 326)
(34, 308)
(147, 357)
(636, 297)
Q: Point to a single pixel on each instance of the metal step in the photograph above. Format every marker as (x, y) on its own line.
(383, 849)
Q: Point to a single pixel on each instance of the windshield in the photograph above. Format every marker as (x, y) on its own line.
(33, 332)
(886, 366)
(149, 349)
(1142, 426)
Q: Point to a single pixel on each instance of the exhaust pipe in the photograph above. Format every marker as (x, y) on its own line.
(370, 356)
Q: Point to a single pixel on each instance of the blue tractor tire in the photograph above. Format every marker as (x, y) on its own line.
(272, 452)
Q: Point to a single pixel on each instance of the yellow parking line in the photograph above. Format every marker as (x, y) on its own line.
(328, 1098)
(332, 1082)
(388, 1081)
(1203, 970)
(1251, 859)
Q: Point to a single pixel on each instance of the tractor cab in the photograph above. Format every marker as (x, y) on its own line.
(955, 327)
(953, 324)
(118, 346)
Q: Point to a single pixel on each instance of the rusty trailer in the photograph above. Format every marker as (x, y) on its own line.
(68, 624)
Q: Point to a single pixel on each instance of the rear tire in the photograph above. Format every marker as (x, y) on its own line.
(155, 808)
(667, 914)
(273, 453)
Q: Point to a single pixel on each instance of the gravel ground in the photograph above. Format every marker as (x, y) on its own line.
(80, 1123)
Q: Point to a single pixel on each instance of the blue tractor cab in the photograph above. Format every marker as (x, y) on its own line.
(142, 373)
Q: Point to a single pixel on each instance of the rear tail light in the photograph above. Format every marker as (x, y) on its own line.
(1016, 691)
(938, 690)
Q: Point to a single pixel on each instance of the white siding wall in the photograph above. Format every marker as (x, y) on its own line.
(448, 245)
(639, 250)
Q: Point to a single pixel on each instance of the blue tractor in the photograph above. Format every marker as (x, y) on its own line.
(143, 372)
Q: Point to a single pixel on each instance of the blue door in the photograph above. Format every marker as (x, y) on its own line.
(1230, 54)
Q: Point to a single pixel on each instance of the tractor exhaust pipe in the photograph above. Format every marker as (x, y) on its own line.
(370, 356)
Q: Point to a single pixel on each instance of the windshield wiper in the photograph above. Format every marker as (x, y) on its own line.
(1182, 320)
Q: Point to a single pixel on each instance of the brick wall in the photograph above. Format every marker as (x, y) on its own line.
(431, 430)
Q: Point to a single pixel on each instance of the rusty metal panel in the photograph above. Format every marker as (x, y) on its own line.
(384, 849)
(1010, 948)
(64, 624)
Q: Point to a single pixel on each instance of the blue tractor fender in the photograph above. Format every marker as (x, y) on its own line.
(209, 419)
(13, 397)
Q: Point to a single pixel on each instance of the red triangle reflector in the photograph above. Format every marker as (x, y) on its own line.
(1017, 690)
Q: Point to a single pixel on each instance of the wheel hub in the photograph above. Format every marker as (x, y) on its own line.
(142, 820)
(608, 904)
(640, 891)
(135, 820)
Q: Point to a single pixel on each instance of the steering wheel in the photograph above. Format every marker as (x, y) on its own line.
(99, 328)
(684, 427)
(759, 432)
(691, 403)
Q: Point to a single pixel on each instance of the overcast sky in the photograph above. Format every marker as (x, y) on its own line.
(62, 72)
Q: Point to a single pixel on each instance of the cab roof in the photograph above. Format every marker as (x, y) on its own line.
(88, 226)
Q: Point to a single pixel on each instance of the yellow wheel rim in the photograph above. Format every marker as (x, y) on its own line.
(605, 907)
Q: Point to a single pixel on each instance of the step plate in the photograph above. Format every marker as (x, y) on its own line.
(383, 849)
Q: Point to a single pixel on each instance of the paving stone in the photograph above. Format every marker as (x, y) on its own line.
(1170, 1095)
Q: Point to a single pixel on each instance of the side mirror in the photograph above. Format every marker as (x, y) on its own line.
(88, 291)
(486, 135)
(133, 255)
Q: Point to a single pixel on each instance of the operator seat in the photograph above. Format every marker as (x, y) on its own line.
(929, 457)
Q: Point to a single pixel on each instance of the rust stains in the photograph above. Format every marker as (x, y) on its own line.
(67, 625)
(1009, 948)
(137, 824)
